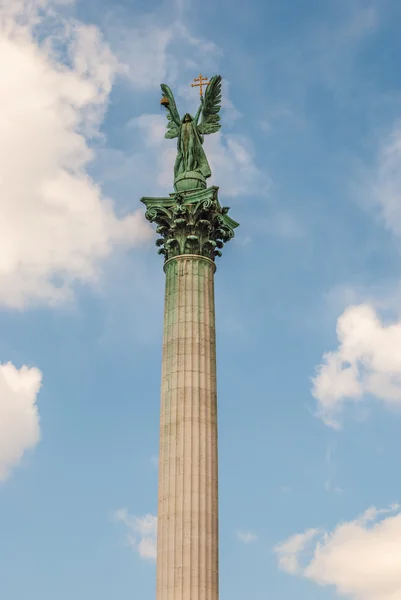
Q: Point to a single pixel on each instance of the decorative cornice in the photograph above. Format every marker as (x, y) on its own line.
(190, 223)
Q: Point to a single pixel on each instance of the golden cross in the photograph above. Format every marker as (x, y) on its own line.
(201, 82)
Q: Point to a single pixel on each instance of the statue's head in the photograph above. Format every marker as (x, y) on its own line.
(187, 118)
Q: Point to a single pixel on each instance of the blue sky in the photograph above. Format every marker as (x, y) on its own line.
(307, 294)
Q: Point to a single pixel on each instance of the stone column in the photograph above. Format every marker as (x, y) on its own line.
(187, 545)
(193, 228)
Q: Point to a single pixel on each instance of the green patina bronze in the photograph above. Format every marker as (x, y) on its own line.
(191, 220)
(191, 167)
(190, 223)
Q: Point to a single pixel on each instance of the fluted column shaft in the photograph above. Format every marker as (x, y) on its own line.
(187, 542)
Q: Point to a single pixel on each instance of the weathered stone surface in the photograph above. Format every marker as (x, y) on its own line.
(187, 545)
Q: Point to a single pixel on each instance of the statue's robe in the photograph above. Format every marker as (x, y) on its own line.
(190, 153)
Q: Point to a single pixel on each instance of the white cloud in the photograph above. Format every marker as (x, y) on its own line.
(247, 537)
(153, 53)
(55, 225)
(19, 418)
(233, 165)
(360, 558)
(367, 361)
(143, 52)
(386, 188)
(229, 113)
(288, 551)
(142, 532)
(368, 358)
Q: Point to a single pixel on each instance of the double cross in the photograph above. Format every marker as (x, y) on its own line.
(200, 82)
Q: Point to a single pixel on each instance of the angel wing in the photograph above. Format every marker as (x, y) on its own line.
(211, 107)
(172, 113)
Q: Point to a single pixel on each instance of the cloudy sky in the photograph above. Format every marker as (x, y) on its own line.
(308, 294)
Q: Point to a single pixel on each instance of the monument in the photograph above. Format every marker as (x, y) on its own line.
(193, 228)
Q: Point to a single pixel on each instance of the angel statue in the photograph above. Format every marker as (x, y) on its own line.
(191, 167)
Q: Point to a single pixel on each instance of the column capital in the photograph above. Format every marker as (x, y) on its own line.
(191, 222)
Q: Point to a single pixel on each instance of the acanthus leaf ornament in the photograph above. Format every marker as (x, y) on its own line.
(195, 224)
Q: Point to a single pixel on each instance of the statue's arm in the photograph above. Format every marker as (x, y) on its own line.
(198, 114)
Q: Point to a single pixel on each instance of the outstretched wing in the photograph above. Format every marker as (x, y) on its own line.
(211, 107)
(172, 113)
